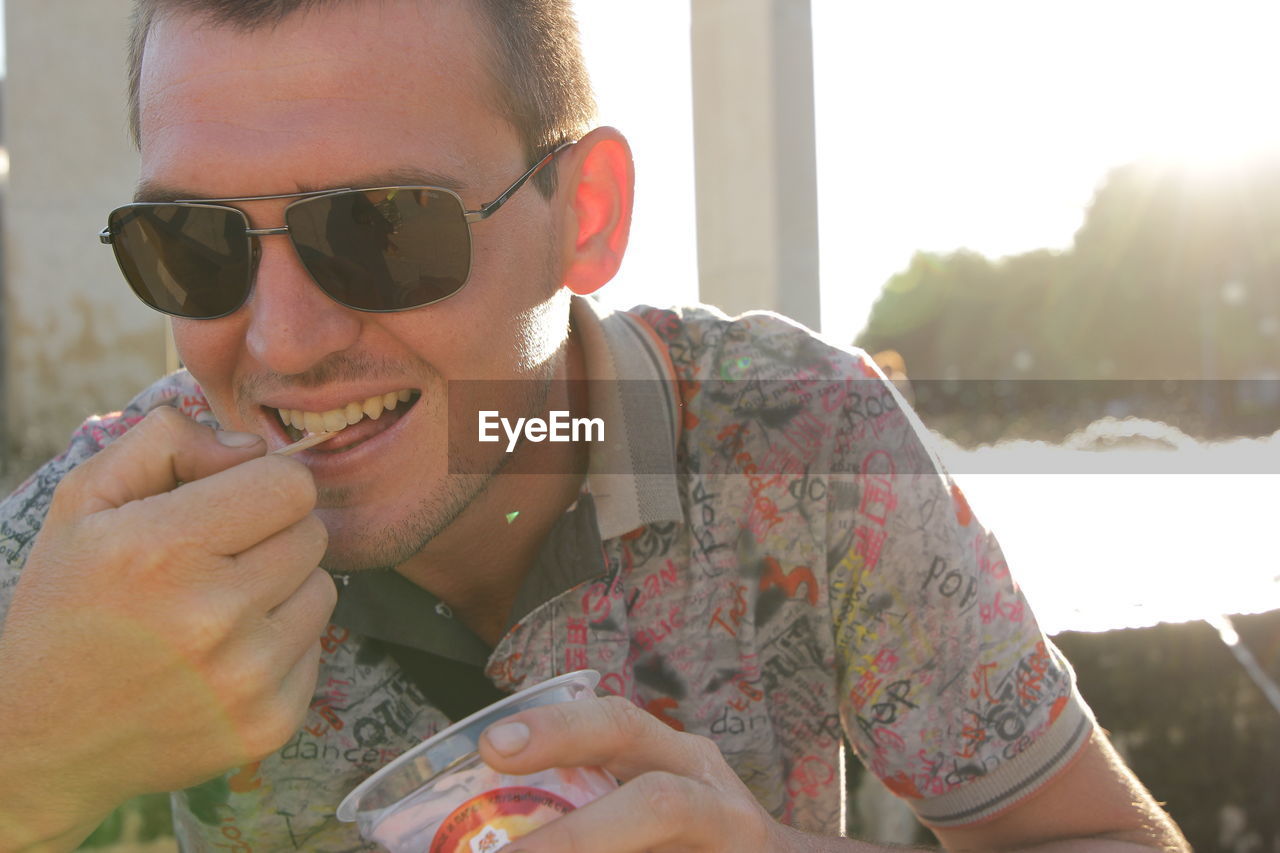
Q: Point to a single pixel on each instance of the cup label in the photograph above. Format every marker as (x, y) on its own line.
(492, 820)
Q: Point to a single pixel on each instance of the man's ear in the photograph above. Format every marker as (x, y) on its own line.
(597, 184)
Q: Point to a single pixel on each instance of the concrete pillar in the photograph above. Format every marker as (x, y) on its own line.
(76, 340)
(753, 127)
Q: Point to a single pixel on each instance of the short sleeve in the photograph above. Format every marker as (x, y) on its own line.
(949, 691)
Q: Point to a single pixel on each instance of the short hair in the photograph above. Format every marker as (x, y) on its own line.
(539, 76)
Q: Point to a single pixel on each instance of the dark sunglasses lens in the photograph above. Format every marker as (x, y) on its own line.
(383, 250)
(185, 260)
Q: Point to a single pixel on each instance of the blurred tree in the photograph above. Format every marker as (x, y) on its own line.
(1174, 274)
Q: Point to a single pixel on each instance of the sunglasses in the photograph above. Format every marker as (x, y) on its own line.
(379, 250)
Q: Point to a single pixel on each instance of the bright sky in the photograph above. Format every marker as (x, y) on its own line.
(984, 124)
(640, 68)
(1113, 548)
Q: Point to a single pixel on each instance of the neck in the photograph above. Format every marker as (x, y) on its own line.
(478, 564)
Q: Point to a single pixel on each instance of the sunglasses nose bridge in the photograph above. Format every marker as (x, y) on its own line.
(290, 324)
(266, 232)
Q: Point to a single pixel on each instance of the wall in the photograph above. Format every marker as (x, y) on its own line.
(76, 340)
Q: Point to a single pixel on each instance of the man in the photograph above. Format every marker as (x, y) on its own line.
(760, 551)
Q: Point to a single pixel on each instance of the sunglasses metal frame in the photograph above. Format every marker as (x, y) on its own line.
(469, 216)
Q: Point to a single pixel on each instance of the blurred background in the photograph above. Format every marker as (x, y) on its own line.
(1057, 225)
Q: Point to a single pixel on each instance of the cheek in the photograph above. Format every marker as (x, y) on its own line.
(208, 349)
(500, 327)
(525, 303)
(509, 338)
(540, 331)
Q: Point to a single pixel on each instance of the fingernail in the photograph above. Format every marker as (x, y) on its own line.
(236, 439)
(508, 738)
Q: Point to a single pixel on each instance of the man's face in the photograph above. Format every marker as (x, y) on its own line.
(359, 95)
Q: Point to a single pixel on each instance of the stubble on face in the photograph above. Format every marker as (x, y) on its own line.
(443, 502)
(437, 508)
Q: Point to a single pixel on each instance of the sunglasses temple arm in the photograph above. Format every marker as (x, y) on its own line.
(492, 207)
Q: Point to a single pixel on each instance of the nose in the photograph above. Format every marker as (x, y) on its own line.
(292, 324)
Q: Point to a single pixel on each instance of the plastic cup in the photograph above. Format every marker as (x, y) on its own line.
(440, 797)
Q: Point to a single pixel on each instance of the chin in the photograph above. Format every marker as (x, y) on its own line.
(358, 544)
(362, 538)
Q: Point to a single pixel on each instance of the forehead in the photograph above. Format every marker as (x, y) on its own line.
(347, 89)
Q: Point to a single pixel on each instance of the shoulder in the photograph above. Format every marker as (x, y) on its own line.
(760, 393)
(22, 513)
(705, 343)
(178, 390)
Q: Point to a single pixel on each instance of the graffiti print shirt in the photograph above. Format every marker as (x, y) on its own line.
(773, 560)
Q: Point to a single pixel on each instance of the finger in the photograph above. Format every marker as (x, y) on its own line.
(269, 668)
(653, 812)
(225, 513)
(287, 712)
(271, 571)
(163, 449)
(298, 687)
(608, 732)
(297, 622)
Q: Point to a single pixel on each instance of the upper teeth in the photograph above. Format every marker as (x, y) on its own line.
(336, 419)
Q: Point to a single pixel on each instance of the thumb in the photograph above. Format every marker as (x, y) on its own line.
(164, 449)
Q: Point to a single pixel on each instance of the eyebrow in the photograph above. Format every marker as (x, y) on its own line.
(158, 191)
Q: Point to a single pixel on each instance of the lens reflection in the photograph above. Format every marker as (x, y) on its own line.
(385, 249)
(186, 260)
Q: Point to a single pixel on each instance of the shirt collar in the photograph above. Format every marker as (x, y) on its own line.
(633, 390)
(385, 605)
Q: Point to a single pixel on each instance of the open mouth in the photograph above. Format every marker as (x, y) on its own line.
(389, 406)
